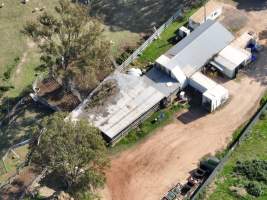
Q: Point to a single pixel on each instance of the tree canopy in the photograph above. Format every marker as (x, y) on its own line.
(72, 45)
(74, 152)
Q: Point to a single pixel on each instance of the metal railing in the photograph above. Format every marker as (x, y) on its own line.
(244, 134)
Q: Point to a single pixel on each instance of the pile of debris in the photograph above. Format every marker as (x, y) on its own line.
(194, 181)
(51, 93)
(103, 94)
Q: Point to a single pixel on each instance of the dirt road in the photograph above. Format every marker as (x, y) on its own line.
(148, 170)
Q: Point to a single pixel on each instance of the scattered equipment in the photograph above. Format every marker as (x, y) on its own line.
(135, 72)
(183, 32)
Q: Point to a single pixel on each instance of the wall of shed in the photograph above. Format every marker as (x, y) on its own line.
(133, 125)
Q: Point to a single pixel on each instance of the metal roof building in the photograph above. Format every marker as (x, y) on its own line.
(138, 96)
(195, 50)
(135, 98)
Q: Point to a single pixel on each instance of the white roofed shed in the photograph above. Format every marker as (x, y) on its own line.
(230, 59)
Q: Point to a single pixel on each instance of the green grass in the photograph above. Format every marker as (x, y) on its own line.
(146, 128)
(263, 99)
(254, 147)
(13, 16)
(26, 75)
(163, 44)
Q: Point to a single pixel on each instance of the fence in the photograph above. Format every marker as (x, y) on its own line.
(155, 35)
(135, 54)
(244, 134)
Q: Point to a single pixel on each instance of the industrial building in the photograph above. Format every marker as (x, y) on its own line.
(138, 96)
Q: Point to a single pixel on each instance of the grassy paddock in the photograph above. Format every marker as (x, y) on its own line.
(14, 44)
(146, 128)
(164, 43)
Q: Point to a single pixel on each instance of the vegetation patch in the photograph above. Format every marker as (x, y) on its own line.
(108, 89)
(246, 168)
(254, 170)
(165, 42)
(263, 99)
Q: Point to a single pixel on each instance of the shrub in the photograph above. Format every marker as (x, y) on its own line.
(254, 189)
(128, 50)
(263, 116)
(254, 170)
(263, 99)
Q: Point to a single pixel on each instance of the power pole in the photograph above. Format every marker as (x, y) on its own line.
(205, 13)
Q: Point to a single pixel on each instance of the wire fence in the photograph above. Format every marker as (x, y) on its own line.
(244, 134)
(155, 35)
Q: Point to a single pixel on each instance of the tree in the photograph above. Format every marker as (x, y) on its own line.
(74, 152)
(72, 45)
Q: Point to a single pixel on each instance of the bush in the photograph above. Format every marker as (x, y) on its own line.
(263, 99)
(254, 170)
(7, 73)
(126, 53)
(263, 116)
(254, 189)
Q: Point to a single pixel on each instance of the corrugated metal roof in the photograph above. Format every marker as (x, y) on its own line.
(231, 57)
(203, 81)
(194, 51)
(136, 96)
(160, 80)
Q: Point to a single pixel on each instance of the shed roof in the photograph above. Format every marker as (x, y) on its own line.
(195, 50)
(135, 97)
(231, 57)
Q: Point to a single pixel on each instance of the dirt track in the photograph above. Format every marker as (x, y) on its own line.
(148, 170)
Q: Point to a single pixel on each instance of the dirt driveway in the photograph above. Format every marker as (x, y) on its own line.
(148, 170)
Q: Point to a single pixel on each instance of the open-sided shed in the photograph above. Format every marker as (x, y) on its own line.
(230, 59)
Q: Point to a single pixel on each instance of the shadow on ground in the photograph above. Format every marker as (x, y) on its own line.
(136, 15)
(251, 5)
(196, 110)
(258, 69)
(24, 118)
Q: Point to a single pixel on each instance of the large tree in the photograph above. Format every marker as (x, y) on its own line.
(72, 45)
(73, 152)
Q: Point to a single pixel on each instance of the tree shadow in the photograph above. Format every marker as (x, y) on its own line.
(251, 5)
(17, 127)
(136, 15)
(258, 69)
